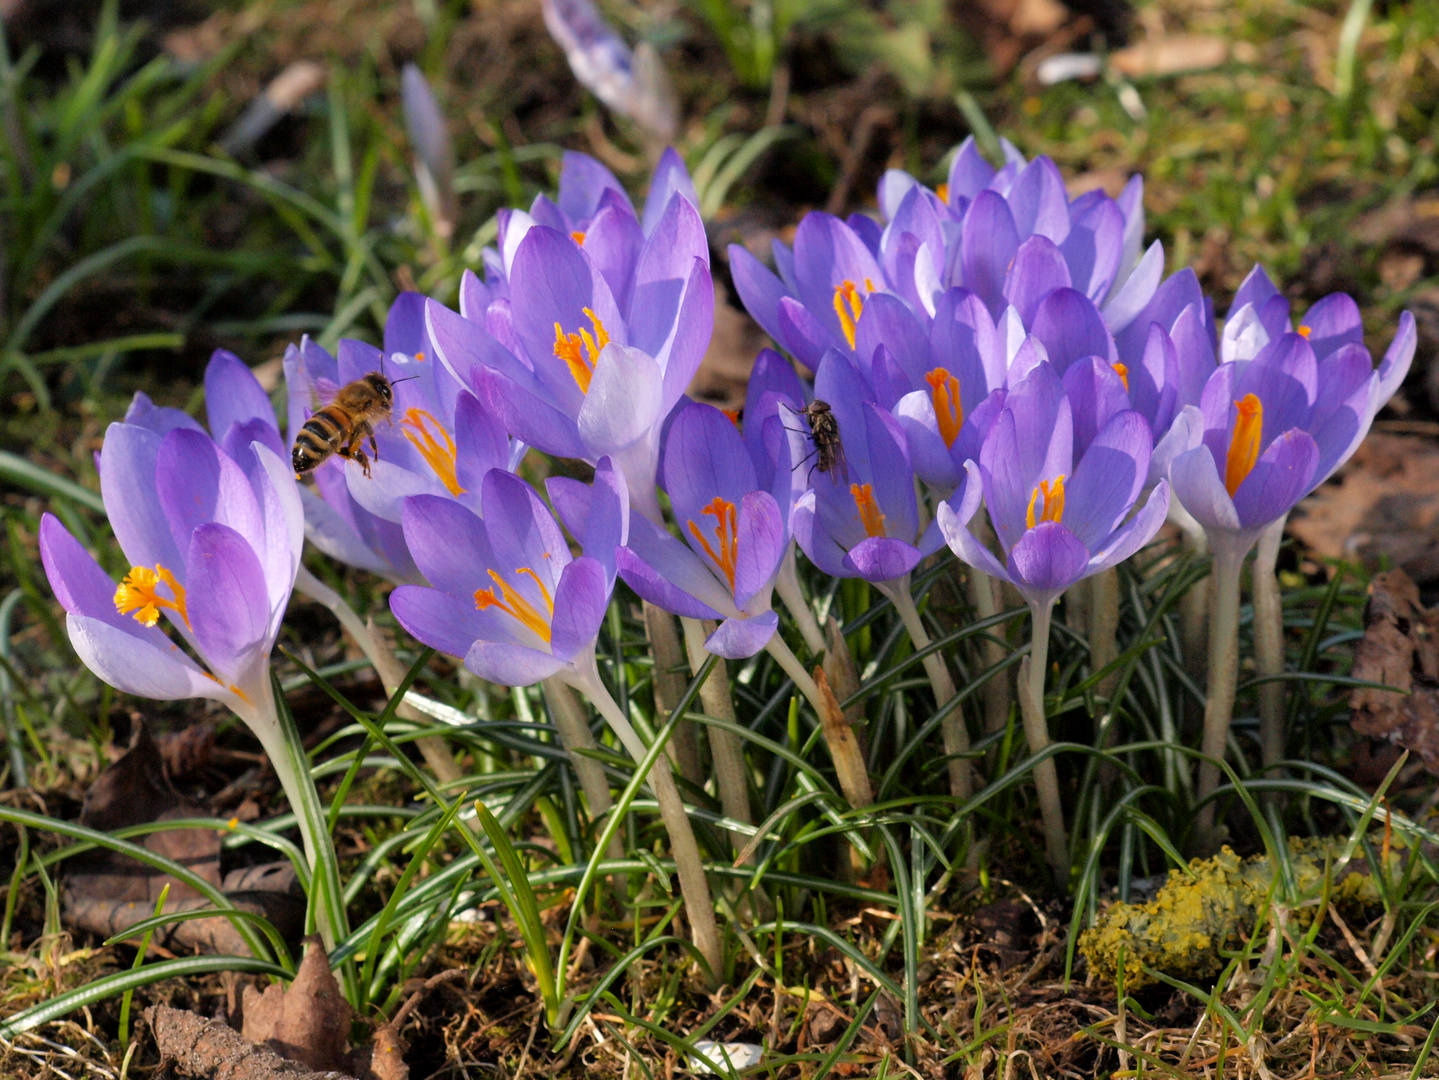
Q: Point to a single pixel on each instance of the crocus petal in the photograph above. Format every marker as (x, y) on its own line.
(1333, 322)
(327, 529)
(583, 181)
(1070, 328)
(512, 665)
(1096, 393)
(953, 520)
(1184, 434)
(1134, 533)
(1397, 358)
(928, 454)
(226, 599)
(520, 528)
(819, 546)
(679, 566)
(233, 394)
(1037, 270)
(197, 483)
(705, 458)
(529, 417)
(613, 242)
(581, 598)
(802, 335)
(1134, 295)
(881, 558)
(827, 253)
(988, 241)
(448, 543)
(1341, 413)
(1285, 377)
(680, 353)
(759, 289)
(670, 178)
(144, 413)
(1108, 478)
(385, 490)
(1046, 561)
(1197, 486)
(137, 666)
(652, 585)
(405, 325)
(1038, 201)
(1093, 249)
(1281, 477)
(1255, 290)
(740, 638)
(132, 503)
(762, 542)
(81, 586)
(969, 173)
(624, 400)
(441, 620)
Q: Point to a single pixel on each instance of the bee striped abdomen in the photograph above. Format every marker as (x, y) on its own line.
(321, 436)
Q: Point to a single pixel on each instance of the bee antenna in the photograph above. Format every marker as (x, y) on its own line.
(407, 378)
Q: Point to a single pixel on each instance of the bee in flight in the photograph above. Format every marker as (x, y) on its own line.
(828, 452)
(345, 423)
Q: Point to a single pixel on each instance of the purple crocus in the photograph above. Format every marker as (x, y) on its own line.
(1059, 490)
(440, 441)
(595, 361)
(735, 531)
(505, 593)
(212, 531)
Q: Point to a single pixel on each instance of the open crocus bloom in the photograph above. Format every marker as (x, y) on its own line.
(864, 523)
(1058, 507)
(1277, 426)
(596, 373)
(439, 441)
(213, 533)
(507, 596)
(735, 532)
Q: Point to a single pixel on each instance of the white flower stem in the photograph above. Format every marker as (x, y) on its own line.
(1223, 674)
(699, 906)
(844, 751)
(1269, 643)
(435, 750)
(952, 728)
(983, 594)
(1036, 734)
(669, 686)
(726, 749)
(786, 583)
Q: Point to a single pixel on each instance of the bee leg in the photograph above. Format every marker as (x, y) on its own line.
(364, 460)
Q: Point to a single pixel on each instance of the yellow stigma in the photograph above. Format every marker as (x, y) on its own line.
(944, 392)
(1123, 373)
(578, 237)
(136, 593)
(869, 514)
(943, 192)
(849, 305)
(726, 535)
(429, 437)
(1053, 507)
(1304, 331)
(580, 350)
(515, 605)
(1244, 443)
(420, 357)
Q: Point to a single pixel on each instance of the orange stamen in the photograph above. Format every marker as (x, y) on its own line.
(515, 605)
(1053, 506)
(136, 593)
(580, 350)
(1304, 331)
(1244, 443)
(578, 237)
(1123, 372)
(944, 392)
(733, 415)
(726, 535)
(943, 192)
(869, 514)
(420, 357)
(425, 434)
(849, 305)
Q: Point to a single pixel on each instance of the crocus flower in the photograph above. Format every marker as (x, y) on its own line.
(735, 532)
(506, 595)
(430, 141)
(597, 372)
(439, 441)
(634, 84)
(865, 522)
(1059, 510)
(212, 531)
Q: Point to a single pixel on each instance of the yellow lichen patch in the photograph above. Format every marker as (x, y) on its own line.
(1198, 913)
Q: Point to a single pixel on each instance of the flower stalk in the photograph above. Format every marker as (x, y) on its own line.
(726, 750)
(1036, 734)
(1223, 674)
(844, 750)
(1269, 642)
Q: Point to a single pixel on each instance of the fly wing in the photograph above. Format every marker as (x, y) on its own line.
(838, 466)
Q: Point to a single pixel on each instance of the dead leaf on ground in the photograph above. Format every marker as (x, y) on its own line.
(106, 893)
(1384, 507)
(1157, 57)
(1400, 649)
(309, 1022)
(195, 1046)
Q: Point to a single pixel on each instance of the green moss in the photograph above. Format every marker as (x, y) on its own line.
(1199, 912)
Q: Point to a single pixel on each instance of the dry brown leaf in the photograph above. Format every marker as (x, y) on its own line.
(1384, 507)
(309, 1022)
(194, 1046)
(1157, 57)
(1400, 649)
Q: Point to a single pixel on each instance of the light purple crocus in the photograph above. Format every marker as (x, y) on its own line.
(212, 531)
(865, 521)
(595, 361)
(1059, 495)
(634, 84)
(439, 441)
(735, 535)
(506, 595)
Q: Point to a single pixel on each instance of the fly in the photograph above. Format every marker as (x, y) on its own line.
(828, 452)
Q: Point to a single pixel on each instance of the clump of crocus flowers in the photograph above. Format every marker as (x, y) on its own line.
(1012, 376)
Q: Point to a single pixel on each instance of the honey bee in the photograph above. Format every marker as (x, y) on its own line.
(344, 424)
(828, 449)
